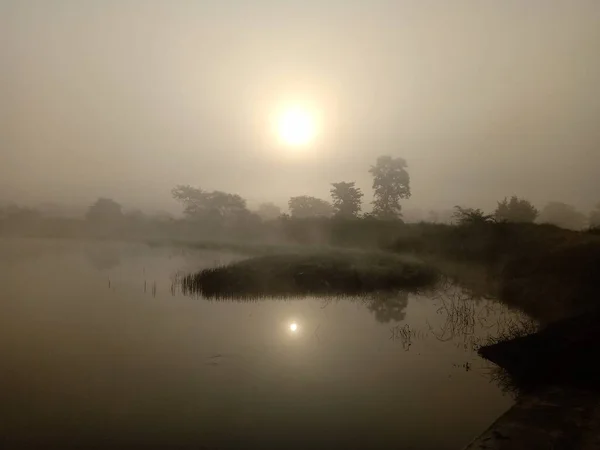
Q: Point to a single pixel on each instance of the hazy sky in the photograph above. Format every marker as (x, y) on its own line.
(128, 98)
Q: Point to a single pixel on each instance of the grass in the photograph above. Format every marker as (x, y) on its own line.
(558, 283)
(548, 272)
(322, 273)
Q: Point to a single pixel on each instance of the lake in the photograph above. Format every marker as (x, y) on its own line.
(101, 349)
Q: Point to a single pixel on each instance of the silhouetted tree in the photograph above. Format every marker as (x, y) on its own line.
(19, 213)
(268, 211)
(470, 216)
(104, 210)
(305, 206)
(595, 217)
(391, 183)
(515, 210)
(346, 199)
(203, 205)
(190, 197)
(16, 219)
(562, 215)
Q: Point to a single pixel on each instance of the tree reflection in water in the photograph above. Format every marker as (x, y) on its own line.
(388, 307)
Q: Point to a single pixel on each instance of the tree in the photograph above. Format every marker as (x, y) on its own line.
(16, 219)
(104, 210)
(594, 219)
(391, 183)
(346, 199)
(470, 216)
(389, 307)
(190, 197)
(515, 210)
(304, 206)
(562, 215)
(224, 204)
(268, 211)
(203, 205)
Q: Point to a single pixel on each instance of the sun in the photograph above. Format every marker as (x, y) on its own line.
(293, 327)
(296, 127)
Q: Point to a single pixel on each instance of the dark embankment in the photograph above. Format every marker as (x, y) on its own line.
(548, 272)
(486, 243)
(564, 353)
(558, 283)
(327, 273)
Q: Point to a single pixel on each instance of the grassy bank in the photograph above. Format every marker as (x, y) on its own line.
(325, 272)
(548, 272)
(560, 282)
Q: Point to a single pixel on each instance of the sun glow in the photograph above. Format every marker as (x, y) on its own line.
(293, 327)
(296, 127)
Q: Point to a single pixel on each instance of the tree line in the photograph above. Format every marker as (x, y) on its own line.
(218, 209)
(519, 210)
(391, 185)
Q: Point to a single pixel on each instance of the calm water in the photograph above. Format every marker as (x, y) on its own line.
(99, 349)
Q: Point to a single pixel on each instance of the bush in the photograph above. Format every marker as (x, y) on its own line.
(516, 210)
(471, 216)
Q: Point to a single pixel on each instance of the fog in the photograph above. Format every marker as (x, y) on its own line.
(126, 99)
